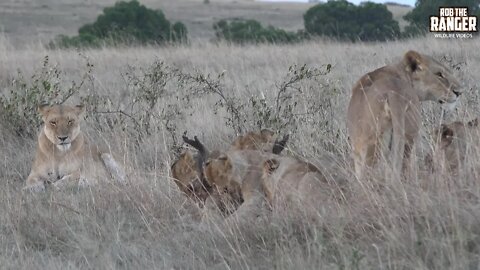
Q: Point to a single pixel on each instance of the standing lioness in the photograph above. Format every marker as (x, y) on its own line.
(385, 104)
(64, 156)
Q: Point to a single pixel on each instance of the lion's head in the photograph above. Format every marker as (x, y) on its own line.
(212, 173)
(448, 133)
(185, 173)
(215, 167)
(219, 171)
(431, 79)
(61, 123)
(262, 140)
(451, 141)
(212, 182)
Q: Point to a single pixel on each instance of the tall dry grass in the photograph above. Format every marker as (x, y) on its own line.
(429, 221)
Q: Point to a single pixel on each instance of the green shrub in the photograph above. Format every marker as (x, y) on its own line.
(126, 23)
(251, 31)
(366, 22)
(18, 105)
(290, 104)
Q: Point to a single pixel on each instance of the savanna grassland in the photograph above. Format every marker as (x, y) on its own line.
(28, 22)
(141, 100)
(429, 221)
(34, 21)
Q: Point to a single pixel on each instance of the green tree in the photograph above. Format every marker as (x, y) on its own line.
(251, 31)
(419, 16)
(376, 22)
(127, 22)
(346, 21)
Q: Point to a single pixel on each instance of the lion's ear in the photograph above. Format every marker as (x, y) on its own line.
(227, 163)
(413, 61)
(43, 109)
(184, 158)
(269, 166)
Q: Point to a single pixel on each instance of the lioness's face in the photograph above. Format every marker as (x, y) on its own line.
(62, 123)
(451, 142)
(184, 170)
(218, 171)
(185, 174)
(456, 131)
(435, 81)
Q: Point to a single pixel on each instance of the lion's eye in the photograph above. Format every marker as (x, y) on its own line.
(70, 122)
(53, 123)
(439, 74)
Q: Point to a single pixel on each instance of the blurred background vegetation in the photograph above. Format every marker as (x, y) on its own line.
(130, 22)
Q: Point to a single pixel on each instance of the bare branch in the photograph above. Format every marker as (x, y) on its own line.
(202, 150)
(195, 143)
(122, 113)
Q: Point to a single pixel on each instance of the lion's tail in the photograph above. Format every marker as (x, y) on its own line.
(114, 168)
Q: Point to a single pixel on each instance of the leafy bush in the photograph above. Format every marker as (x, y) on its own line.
(251, 31)
(160, 96)
(18, 106)
(126, 22)
(419, 17)
(289, 105)
(366, 22)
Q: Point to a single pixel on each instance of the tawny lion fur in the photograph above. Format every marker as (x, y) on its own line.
(265, 179)
(262, 140)
(186, 173)
(384, 109)
(451, 143)
(64, 156)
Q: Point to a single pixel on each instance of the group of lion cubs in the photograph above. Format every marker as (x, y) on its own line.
(383, 115)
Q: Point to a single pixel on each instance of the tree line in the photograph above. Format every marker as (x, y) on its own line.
(133, 23)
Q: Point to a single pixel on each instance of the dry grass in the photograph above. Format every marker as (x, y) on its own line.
(425, 222)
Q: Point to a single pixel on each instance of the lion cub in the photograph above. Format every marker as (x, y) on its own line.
(452, 143)
(64, 156)
(187, 170)
(263, 140)
(252, 179)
